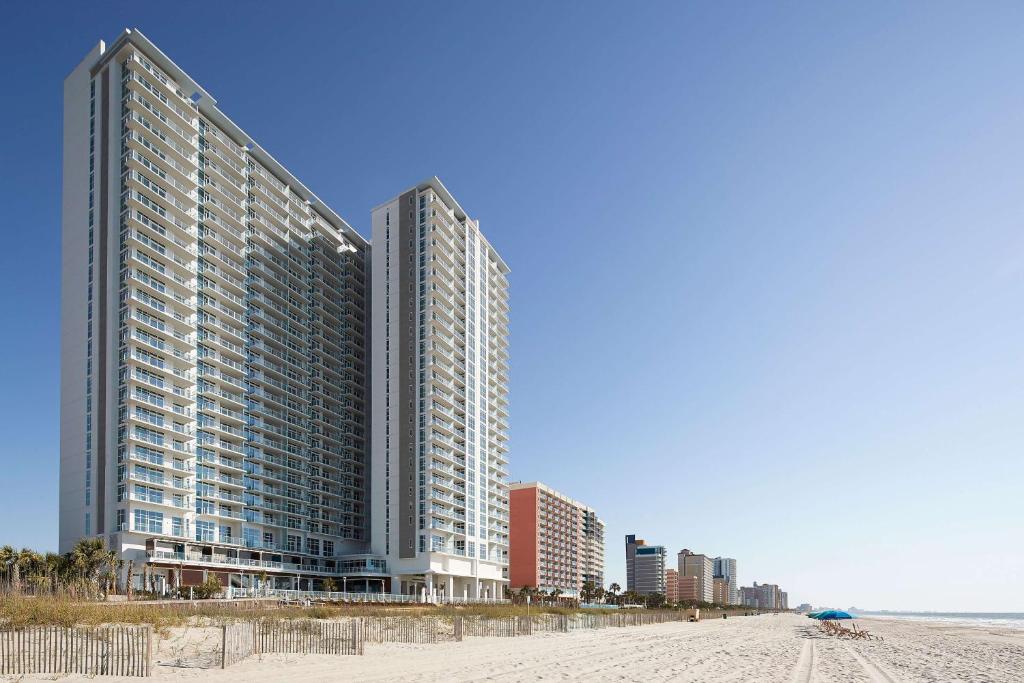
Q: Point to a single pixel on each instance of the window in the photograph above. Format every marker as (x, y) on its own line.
(147, 494)
(204, 531)
(149, 521)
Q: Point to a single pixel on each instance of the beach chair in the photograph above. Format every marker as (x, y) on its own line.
(862, 634)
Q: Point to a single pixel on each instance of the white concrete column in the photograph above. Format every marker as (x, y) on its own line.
(450, 593)
(465, 591)
(476, 589)
(494, 590)
(430, 588)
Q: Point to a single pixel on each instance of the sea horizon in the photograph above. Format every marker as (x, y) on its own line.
(1013, 620)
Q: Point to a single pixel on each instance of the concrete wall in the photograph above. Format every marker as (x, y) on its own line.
(74, 303)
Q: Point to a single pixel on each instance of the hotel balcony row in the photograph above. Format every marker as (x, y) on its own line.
(255, 561)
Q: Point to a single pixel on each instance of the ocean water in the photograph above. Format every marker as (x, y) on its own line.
(981, 619)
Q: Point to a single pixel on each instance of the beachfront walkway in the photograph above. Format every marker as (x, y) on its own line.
(785, 648)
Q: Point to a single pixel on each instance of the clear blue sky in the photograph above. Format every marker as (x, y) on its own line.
(768, 259)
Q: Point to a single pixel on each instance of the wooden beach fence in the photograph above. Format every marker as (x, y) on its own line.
(427, 630)
(238, 641)
(88, 650)
(244, 639)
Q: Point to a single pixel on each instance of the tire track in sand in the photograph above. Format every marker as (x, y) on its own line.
(806, 669)
(874, 670)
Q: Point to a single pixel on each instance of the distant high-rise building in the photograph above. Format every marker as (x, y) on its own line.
(645, 567)
(701, 566)
(671, 585)
(555, 542)
(725, 567)
(720, 593)
(764, 596)
(689, 589)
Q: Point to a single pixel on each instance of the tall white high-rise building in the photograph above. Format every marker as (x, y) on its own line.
(215, 343)
(440, 398)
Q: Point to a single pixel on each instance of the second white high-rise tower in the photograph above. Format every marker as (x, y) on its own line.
(439, 398)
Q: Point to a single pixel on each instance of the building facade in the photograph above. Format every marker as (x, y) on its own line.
(440, 398)
(214, 395)
(555, 542)
(216, 388)
(725, 568)
(700, 566)
(766, 596)
(592, 569)
(645, 567)
(671, 585)
(689, 589)
(720, 591)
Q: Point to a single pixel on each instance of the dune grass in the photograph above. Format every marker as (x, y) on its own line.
(21, 611)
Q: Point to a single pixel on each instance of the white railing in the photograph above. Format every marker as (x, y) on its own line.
(301, 596)
(334, 596)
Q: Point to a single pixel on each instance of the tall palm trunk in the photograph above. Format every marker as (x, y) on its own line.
(130, 581)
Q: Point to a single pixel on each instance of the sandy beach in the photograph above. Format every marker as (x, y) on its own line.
(765, 648)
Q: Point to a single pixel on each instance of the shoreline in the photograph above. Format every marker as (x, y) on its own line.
(1008, 623)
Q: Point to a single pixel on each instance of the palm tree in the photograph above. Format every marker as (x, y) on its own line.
(9, 564)
(7, 557)
(527, 592)
(55, 568)
(117, 579)
(88, 557)
(30, 565)
(614, 589)
(129, 583)
(110, 562)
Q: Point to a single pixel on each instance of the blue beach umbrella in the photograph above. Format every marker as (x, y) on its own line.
(833, 614)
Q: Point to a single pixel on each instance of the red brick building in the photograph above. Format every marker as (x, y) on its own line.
(554, 541)
(671, 585)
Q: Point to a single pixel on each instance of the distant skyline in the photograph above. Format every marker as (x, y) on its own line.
(767, 260)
